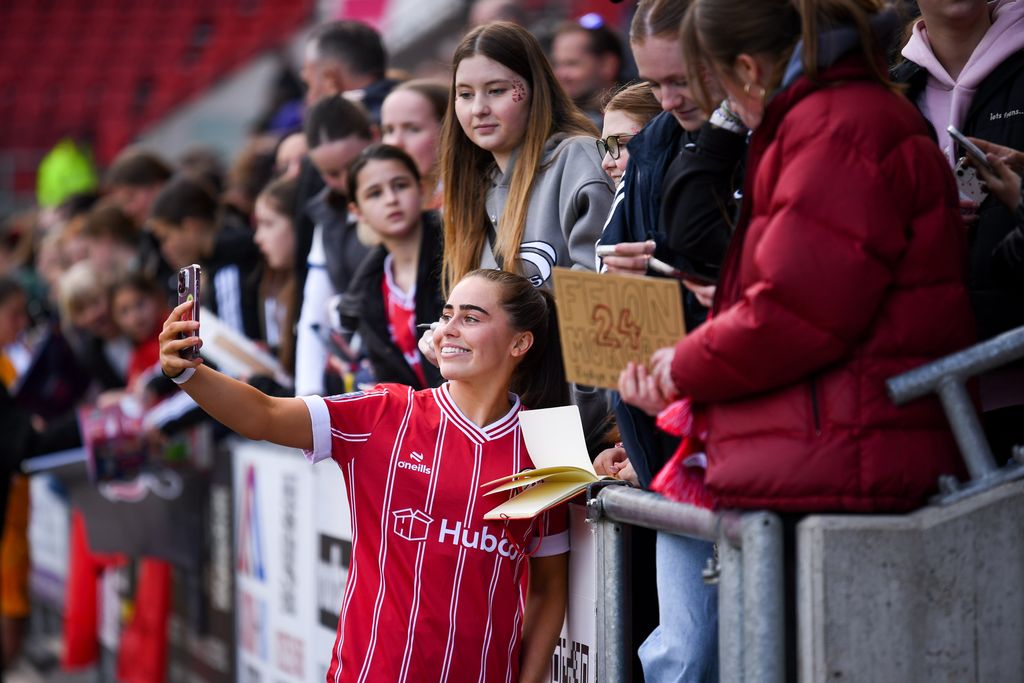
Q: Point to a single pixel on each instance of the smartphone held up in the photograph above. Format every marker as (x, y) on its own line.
(188, 290)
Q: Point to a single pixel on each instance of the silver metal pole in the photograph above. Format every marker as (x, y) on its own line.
(646, 509)
(1007, 347)
(764, 652)
(967, 430)
(614, 603)
(730, 613)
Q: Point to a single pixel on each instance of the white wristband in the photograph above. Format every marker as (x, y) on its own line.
(185, 376)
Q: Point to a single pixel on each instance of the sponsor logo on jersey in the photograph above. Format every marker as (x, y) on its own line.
(477, 540)
(412, 525)
(416, 465)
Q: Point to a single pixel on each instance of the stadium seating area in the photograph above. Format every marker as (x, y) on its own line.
(102, 70)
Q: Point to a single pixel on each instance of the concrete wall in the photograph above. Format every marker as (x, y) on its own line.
(930, 597)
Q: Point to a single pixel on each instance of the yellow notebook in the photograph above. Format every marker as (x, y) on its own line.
(554, 439)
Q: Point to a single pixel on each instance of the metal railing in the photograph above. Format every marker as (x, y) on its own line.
(750, 594)
(947, 377)
(751, 609)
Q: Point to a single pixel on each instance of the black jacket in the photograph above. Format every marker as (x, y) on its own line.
(698, 203)
(996, 303)
(362, 308)
(230, 288)
(342, 248)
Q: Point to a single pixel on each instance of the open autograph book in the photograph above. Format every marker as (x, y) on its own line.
(554, 440)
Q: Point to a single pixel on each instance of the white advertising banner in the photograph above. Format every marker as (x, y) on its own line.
(333, 544)
(575, 656)
(48, 531)
(275, 564)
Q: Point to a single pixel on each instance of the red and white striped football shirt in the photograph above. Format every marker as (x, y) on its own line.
(435, 592)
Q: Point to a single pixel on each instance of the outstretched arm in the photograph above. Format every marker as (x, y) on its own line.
(236, 405)
(545, 613)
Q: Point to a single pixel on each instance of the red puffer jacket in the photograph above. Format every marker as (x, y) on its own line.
(846, 269)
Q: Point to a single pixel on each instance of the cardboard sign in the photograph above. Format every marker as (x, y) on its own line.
(605, 321)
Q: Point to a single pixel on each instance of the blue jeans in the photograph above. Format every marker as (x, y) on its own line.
(684, 646)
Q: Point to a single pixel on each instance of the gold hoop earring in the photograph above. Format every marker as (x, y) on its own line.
(746, 89)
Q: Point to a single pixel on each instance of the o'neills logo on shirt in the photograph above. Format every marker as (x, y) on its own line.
(417, 464)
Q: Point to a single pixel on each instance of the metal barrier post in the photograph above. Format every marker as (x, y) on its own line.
(730, 612)
(946, 377)
(764, 600)
(967, 429)
(614, 602)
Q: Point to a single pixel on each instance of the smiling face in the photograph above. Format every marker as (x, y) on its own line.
(274, 235)
(475, 340)
(410, 123)
(618, 122)
(660, 61)
(492, 104)
(388, 198)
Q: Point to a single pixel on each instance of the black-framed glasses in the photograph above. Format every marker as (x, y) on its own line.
(613, 145)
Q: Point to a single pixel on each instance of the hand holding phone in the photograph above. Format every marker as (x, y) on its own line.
(188, 290)
(973, 151)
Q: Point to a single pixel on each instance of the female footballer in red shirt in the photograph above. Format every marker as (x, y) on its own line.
(434, 592)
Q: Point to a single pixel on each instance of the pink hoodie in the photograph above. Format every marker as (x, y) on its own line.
(946, 100)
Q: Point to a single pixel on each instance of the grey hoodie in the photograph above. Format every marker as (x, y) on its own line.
(570, 201)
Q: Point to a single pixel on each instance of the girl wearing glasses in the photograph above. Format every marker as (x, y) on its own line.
(523, 186)
(626, 113)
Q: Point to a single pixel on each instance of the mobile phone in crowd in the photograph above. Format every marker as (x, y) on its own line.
(968, 183)
(973, 151)
(188, 290)
(658, 266)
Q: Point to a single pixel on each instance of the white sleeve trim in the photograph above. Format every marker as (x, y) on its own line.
(557, 544)
(321, 421)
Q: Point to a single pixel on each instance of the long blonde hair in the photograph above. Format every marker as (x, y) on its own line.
(466, 168)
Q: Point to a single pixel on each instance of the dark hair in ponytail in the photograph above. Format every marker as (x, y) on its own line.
(540, 377)
(716, 32)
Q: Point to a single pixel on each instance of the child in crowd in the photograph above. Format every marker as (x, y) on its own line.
(411, 118)
(137, 306)
(275, 237)
(84, 304)
(432, 587)
(185, 219)
(399, 283)
(625, 115)
(523, 184)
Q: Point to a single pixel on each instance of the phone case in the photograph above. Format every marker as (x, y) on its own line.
(968, 182)
(188, 290)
